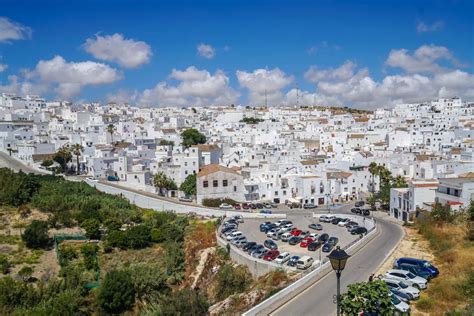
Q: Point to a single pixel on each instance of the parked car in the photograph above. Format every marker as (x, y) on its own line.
(315, 226)
(327, 247)
(296, 232)
(259, 205)
(233, 235)
(245, 206)
(282, 258)
(241, 243)
(416, 270)
(323, 238)
(185, 199)
(336, 220)
(286, 236)
(238, 218)
(267, 205)
(265, 212)
(407, 277)
(248, 245)
(277, 235)
(293, 261)
(238, 239)
(281, 222)
(270, 244)
(400, 305)
(304, 263)
(268, 227)
(237, 207)
(344, 222)
(225, 206)
(309, 206)
(271, 255)
(254, 248)
(315, 245)
(406, 297)
(305, 242)
(402, 287)
(253, 206)
(229, 232)
(333, 240)
(259, 253)
(263, 225)
(274, 205)
(423, 264)
(366, 212)
(359, 230)
(93, 179)
(295, 240)
(359, 203)
(356, 210)
(323, 219)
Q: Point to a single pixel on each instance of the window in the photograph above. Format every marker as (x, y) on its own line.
(224, 183)
(215, 183)
(235, 188)
(205, 184)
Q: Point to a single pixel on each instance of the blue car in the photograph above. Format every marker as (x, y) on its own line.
(266, 228)
(328, 247)
(263, 225)
(416, 270)
(266, 212)
(423, 264)
(406, 297)
(293, 261)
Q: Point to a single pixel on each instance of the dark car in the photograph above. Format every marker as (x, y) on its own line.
(333, 240)
(264, 225)
(295, 240)
(253, 206)
(269, 227)
(323, 238)
(359, 203)
(245, 206)
(366, 212)
(248, 245)
(265, 211)
(254, 247)
(314, 245)
(356, 210)
(270, 244)
(309, 206)
(259, 253)
(327, 247)
(271, 255)
(407, 297)
(415, 270)
(423, 264)
(359, 230)
(259, 205)
(336, 220)
(293, 261)
(316, 226)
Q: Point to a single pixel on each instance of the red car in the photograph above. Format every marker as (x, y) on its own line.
(237, 206)
(245, 206)
(296, 232)
(306, 241)
(271, 255)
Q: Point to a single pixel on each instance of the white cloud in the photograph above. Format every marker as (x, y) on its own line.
(123, 96)
(423, 27)
(128, 53)
(20, 86)
(344, 72)
(263, 83)
(11, 30)
(3, 67)
(206, 51)
(424, 59)
(195, 87)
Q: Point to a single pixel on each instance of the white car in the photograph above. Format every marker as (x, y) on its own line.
(286, 237)
(282, 258)
(323, 218)
(280, 222)
(233, 235)
(313, 235)
(400, 305)
(402, 287)
(343, 222)
(225, 206)
(93, 179)
(407, 277)
(272, 232)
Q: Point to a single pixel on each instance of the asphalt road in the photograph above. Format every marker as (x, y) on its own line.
(318, 299)
(9, 162)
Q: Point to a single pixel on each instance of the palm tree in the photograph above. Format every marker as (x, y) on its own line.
(77, 150)
(399, 182)
(161, 181)
(111, 130)
(373, 169)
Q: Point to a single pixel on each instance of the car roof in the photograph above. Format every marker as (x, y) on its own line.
(398, 271)
(305, 258)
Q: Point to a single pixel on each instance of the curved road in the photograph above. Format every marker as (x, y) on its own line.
(10, 162)
(318, 299)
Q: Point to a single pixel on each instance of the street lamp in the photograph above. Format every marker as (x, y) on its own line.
(338, 258)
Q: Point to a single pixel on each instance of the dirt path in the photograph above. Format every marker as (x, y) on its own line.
(202, 263)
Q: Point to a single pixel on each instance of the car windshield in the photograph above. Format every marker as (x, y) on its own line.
(395, 300)
(403, 285)
(411, 275)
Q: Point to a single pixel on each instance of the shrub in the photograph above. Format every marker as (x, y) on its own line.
(4, 264)
(217, 202)
(185, 302)
(424, 303)
(231, 280)
(36, 235)
(25, 273)
(117, 293)
(66, 253)
(92, 228)
(89, 251)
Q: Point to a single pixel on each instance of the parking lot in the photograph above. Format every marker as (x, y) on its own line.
(251, 229)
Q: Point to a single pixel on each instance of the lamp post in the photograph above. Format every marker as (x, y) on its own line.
(338, 258)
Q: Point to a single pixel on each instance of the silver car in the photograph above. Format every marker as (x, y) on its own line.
(402, 287)
(407, 277)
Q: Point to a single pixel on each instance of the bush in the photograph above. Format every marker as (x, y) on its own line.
(184, 302)
(424, 303)
(217, 202)
(66, 254)
(4, 264)
(89, 251)
(36, 235)
(92, 228)
(232, 280)
(117, 293)
(25, 273)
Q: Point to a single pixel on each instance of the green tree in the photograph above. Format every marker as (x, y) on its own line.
(63, 156)
(111, 130)
(185, 302)
(16, 189)
(231, 280)
(36, 235)
(192, 137)
(112, 224)
(117, 293)
(77, 150)
(66, 254)
(162, 182)
(89, 252)
(399, 182)
(138, 237)
(189, 185)
(367, 297)
(92, 228)
(442, 213)
(4, 264)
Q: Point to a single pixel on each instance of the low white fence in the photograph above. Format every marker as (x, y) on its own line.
(312, 276)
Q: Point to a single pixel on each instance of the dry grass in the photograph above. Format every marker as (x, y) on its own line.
(454, 256)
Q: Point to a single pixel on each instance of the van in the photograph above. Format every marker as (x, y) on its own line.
(304, 263)
(233, 235)
(423, 264)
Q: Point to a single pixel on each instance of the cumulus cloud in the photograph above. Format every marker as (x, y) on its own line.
(206, 51)
(3, 67)
(128, 53)
(195, 87)
(11, 30)
(423, 27)
(21, 86)
(263, 83)
(123, 96)
(424, 60)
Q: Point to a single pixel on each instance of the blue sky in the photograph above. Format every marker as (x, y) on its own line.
(282, 39)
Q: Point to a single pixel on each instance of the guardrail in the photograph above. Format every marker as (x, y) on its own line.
(308, 278)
